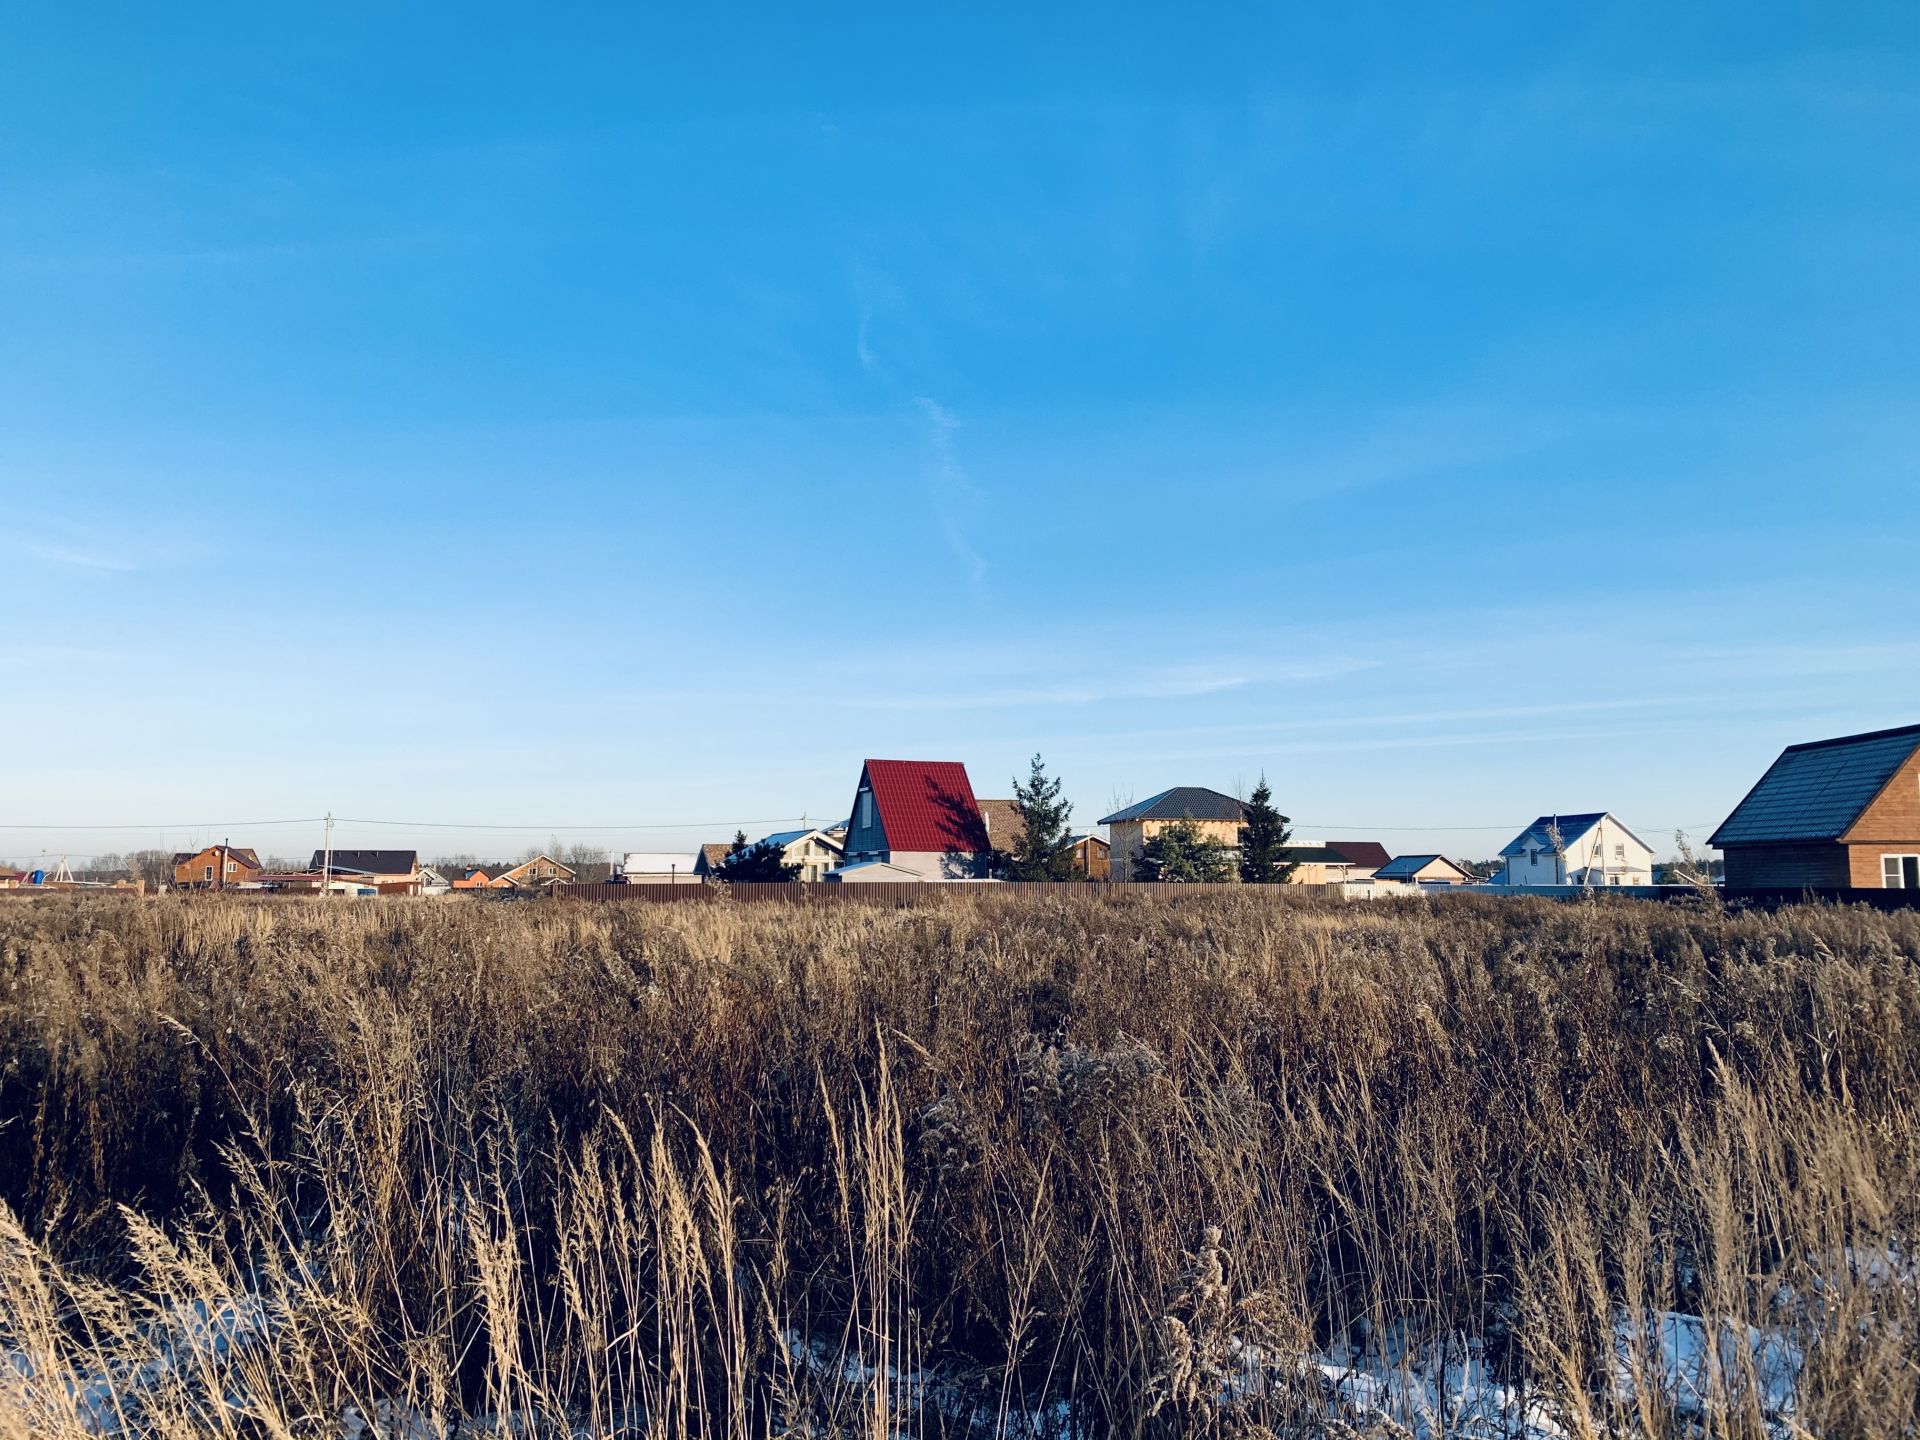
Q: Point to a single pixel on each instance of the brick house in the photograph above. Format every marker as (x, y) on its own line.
(1830, 813)
(215, 867)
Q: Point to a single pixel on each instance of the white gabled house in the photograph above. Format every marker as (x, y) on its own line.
(1591, 849)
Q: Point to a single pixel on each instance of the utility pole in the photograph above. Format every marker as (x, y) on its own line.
(220, 876)
(326, 861)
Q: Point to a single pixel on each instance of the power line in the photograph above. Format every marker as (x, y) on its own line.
(570, 829)
(180, 825)
(1507, 827)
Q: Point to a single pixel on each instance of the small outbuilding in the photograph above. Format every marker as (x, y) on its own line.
(648, 867)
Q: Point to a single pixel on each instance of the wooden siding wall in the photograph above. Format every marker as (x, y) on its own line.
(1769, 867)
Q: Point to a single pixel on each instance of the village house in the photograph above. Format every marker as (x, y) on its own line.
(1841, 813)
(1424, 870)
(537, 873)
(388, 872)
(710, 857)
(655, 867)
(10, 878)
(1005, 825)
(217, 867)
(1216, 816)
(1092, 857)
(915, 817)
(1334, 862)
(1588, 849)
(815, 851)
(483, 877)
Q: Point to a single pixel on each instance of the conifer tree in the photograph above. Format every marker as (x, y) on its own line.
(1263, 840)
(1042, 850)
(1182, 854)
(763, 863)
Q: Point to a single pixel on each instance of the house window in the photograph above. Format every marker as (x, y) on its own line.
(209, 872)
(1900, 872)
(1613, 879)
(866, 809)
(1620, 852)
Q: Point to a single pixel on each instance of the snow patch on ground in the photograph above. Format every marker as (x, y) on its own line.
(1424, 1388)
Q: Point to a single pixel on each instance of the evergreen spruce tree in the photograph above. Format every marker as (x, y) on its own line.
(758, 864)
(1182, 854)
(1262, 839)
(1042, 850)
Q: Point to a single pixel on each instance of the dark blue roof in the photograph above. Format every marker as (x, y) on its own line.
(1571, 827)
(1183, 800)
(1405, 867)
(1817, 790)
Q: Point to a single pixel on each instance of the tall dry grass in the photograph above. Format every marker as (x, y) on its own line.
(1106, 1166)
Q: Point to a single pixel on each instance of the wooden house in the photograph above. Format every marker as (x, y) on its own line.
(1830, 813)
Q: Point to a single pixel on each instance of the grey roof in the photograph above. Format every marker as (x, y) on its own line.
(1183, 800)
(1312, 855)
(1817, 790)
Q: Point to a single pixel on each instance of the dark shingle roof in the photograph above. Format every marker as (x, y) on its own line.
(1312, 855)
(1181, 801)
(1361, 852)
(1817, 790)
(371, 862)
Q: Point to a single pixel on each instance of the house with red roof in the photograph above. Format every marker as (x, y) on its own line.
(914, 820)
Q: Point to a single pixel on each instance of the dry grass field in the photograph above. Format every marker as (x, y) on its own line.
(1082, 1165)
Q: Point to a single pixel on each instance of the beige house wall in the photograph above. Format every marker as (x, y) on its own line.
(1130, 838)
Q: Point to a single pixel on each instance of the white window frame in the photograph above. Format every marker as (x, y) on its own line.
(1892, 867)
(209, 870)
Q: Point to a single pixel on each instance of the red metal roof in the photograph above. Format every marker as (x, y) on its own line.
(926, 805)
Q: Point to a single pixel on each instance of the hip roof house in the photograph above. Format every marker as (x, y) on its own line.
(1841, 812)
(1216, 816)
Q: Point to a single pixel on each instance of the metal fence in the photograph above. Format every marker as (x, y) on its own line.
(912, 892)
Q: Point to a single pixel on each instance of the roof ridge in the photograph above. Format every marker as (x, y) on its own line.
(1861, 738)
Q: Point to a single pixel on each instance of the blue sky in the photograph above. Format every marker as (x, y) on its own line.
(578, 416)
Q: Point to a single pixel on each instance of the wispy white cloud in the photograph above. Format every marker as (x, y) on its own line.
(73, 557)
(955, 496)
